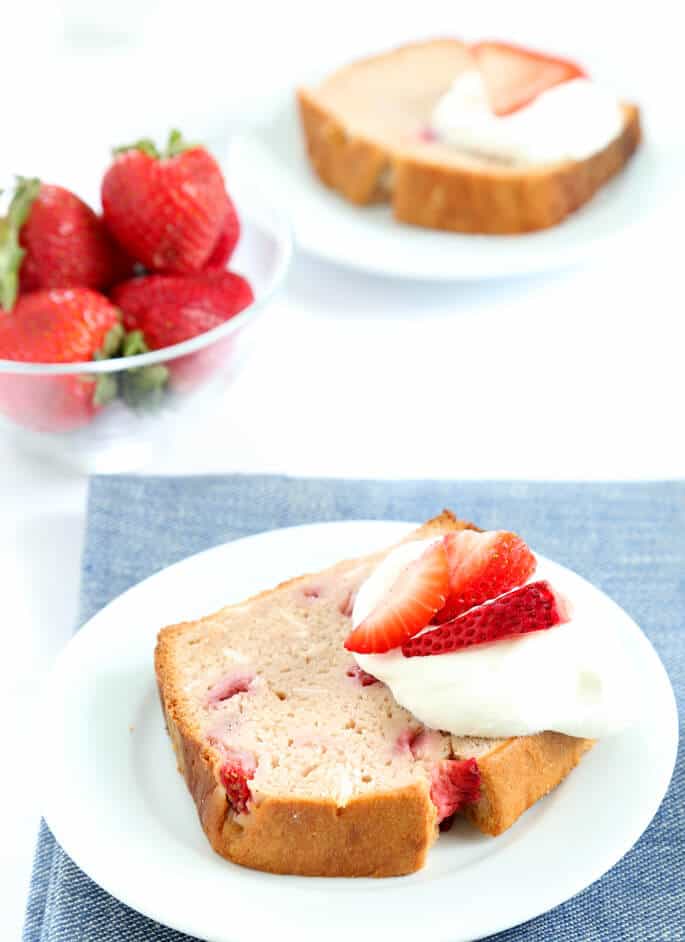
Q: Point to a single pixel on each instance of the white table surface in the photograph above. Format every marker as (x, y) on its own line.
(572, 375)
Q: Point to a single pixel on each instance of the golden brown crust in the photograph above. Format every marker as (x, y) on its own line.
(352, 165)
(435, 193)
(519, 772)
(492, 201)
(382, 834)
(377, 835)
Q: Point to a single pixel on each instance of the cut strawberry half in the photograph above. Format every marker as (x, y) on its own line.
(515, 76)
(483, 566)
(533, 607)
(454, 783)
(417, 594)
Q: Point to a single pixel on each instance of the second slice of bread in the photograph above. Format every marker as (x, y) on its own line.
(337, 790)
(362, 127)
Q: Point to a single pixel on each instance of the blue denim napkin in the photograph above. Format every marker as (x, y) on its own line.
(627, 538)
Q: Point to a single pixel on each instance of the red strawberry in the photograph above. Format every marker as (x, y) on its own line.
(235, 773)
(166, 210)
(227, 241)
(454, 783)
(61, 326)
(169, 309)
(533, 607)
(483, 566)
(514, 76)
(413, 599)
(52, 239)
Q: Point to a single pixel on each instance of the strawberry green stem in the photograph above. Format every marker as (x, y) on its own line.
(11, 252)
(142, 387)
(175, 145)
(145, 144)
(106, 385)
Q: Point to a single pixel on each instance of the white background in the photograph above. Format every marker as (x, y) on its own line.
(570, 375)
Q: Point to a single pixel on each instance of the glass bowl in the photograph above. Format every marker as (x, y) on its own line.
(122, 437)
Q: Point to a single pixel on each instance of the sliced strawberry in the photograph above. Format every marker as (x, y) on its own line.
(238, 768)
(514, 76)
(533, 607)
(416, 595)
(483, 566)
(454, 783)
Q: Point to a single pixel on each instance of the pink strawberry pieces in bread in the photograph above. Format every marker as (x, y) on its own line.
(481, 567)
(238, 768)
(533, 607)
(363, 678)
(417, 594)
(237, 681)
(454, 783)
(515, 76)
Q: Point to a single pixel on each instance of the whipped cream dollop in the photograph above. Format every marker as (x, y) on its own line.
(575, 678)
(570, 121)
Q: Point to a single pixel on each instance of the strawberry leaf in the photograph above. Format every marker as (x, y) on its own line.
(11, 252)
(177, 144)
(144, 144)
(142, 387)
(134, 343)
(112, 347)
(106, 388)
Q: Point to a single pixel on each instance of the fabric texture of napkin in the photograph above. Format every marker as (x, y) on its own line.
(628, 539)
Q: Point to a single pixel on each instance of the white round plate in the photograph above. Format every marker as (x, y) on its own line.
(118, 806)
(270, 159)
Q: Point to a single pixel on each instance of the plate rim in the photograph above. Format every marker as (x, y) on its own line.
(495, 924)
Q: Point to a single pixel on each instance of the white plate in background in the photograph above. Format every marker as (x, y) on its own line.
(269, 158)
(118, 806)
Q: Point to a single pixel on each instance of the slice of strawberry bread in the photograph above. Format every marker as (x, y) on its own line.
(299, 762)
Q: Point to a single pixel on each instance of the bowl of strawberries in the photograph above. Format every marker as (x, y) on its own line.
(116, 327)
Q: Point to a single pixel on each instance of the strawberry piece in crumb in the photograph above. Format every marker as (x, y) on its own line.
(406, 739)
(237, 681)
(238, 768)
(454, 783)
(419, 591)
(362, 677)
(533, 607)
(483, 566)
(515, 76)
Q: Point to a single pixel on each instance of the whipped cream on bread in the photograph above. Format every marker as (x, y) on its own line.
(570, 121)
(574, 678)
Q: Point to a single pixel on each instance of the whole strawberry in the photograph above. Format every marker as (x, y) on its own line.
(168, 309)
(51, 239)
(166, 210)
(61, 326)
